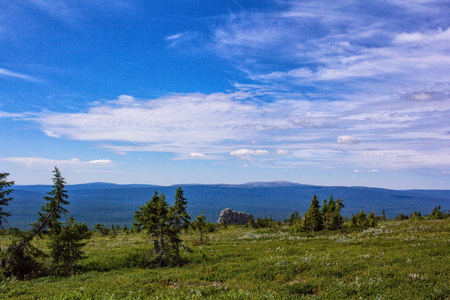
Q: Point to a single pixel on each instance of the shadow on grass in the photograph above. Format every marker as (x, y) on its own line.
(134, 258)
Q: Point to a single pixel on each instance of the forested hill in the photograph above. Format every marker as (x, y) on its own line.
(115, 204)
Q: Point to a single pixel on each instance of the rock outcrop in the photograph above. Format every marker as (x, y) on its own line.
(228, 216)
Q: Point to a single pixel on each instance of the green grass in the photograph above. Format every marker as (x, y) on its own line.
(395, 260)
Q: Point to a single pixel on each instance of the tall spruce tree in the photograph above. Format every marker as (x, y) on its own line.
(5, 191)
(326, 214)
(339, 217)
(51, 211)
(313, 218)
(332, 214)
(179, 219)
(19, 258)
(153, 217)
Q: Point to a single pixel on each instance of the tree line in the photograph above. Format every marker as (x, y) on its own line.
(329, 217)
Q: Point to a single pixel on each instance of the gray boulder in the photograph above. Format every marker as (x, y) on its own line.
(228, 216)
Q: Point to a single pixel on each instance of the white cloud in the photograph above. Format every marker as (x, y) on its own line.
(182, 40)
(368, 171)
(347, 139)
(172, 37)
(4, 114)
(427, 37)
(5, 72)
(248, 152)
(39, 162)
(197, 155)
(282, 152)
(177, 123)
(225, 125)
(315, 43)
(97, 162)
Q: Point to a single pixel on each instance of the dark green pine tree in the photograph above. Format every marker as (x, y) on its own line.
(333, 217)
(51, 211)
(339, 217)
(326, 214)
(179, 219)
(66, 247)
(200, 224)
(50, 216)
(293, 219)
(5, 191)
(19, 259)
(360, 220)
(313, 219)
(153, 217)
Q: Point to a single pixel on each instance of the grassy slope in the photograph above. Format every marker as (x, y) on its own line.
(395, 260)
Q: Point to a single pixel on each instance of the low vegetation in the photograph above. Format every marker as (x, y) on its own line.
(321, 255)
(395, 260)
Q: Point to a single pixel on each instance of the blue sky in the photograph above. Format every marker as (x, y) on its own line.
(168, 92)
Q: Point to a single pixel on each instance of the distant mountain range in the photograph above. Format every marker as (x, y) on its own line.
(115, 204)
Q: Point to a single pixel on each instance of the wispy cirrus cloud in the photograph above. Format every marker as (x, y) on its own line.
(75, 11)
(40, 162)
(10, 115)
(183, 39)
(341, 46)
(9, 73)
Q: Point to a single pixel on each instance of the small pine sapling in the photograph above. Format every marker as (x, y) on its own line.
(200, 224)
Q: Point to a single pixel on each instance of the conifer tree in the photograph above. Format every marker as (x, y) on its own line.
(371, 220)
(66, 246)
(5, 191)
(329, 213)
(19, 259)
(339, 218)
(51, 211)
(416, 215)
(334, 217)
(179, 219)
(293, 219)
(200, 224)
(360, 220)
(154, 218)
(437, 213)
(313, 218)
(326, 214)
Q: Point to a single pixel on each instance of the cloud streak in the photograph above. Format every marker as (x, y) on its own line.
(347, 139)
(39, 162)
(8, 73)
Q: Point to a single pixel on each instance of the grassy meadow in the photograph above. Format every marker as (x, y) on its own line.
(407, 259)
